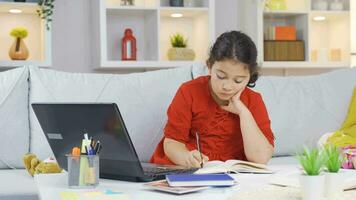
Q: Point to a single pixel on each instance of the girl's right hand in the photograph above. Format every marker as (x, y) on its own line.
(193, 159)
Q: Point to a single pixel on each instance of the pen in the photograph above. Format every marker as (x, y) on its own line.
(199, 148)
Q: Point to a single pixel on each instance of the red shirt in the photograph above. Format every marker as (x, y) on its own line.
(193, 109)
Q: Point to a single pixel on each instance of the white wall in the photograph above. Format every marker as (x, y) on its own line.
(353, 32)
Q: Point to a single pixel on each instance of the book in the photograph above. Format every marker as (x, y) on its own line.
(162, 185)
(177, 180)
(285, 33)
(233, 166)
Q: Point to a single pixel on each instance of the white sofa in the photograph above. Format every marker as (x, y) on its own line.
(301, 110)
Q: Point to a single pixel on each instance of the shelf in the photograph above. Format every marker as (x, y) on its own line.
(18, 63)
(304, 64)
(138, 4)
(152, 26)
(121, 8)
(27, 8)
(284, 13)
(197, 3)
(38, 40)
(331, 15)
(144, 26)
(146, 64)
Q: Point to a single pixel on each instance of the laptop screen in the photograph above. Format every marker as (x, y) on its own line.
(64, 126)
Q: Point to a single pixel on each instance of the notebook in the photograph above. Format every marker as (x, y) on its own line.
(178, 180)
(162, 185)
(233, 166)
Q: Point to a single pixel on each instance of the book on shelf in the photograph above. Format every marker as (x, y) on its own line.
(162, 185)
(281, 33)
(233, 166)
(187, 180)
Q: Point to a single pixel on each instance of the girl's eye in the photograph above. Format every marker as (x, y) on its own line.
(220, 77)
(238, 81)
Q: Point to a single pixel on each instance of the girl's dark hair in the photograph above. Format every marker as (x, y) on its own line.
(239, 47)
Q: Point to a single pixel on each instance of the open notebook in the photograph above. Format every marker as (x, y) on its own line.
(233, 166)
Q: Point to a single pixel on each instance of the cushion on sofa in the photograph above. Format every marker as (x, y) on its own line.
(17, 185)
(14, 123)
(303, 108)
(142, 98)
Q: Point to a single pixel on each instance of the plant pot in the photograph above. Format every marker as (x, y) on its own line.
(276, 4)
(312, 187)
(18, 50)
(333, 185)
(176, 3)
(180, 54)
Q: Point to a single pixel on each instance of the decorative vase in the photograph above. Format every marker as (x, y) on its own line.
(176, 3)
(180, 54)
(320, 5)
(18, 50)
(333, 184)
(276, 5)
(312, 187)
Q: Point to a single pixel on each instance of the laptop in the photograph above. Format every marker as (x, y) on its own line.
(64, 126)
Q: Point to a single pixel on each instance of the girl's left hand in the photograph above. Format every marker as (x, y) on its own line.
(235, 106)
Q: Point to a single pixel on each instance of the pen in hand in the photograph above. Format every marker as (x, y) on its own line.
(199, 148)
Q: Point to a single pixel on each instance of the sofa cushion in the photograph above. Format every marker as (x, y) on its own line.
(14, 123)
(142, 98)
(303, 108)
(17, 184)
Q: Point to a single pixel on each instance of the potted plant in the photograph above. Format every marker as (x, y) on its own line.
(311, 182)
(18, 50)
(46, 10)
(179, 50)
(333, 179)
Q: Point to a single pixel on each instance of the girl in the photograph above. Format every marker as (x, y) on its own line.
(231, 120)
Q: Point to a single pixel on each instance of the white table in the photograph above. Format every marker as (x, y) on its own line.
(51, 185)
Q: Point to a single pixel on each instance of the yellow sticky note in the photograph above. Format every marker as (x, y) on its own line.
(69, 196)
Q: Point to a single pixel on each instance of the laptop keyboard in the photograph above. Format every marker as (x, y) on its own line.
(163, 171)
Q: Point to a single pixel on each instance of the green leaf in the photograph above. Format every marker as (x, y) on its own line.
(333, 158)
(311, 160)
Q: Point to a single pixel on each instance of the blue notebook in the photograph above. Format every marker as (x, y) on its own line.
(176, 180)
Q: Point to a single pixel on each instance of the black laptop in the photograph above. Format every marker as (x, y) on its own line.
(64, 126)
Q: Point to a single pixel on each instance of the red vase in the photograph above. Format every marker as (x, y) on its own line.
(128, 46)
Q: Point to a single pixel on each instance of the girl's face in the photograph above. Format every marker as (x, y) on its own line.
(228, 77)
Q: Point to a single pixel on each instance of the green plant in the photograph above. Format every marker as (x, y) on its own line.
(311, 161)
(19, 32)
(177, 40)
(46, 11)
(333, 159)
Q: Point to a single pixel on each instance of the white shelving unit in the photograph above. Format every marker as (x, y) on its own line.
(152, 27)
(318, 36)
(38, 40)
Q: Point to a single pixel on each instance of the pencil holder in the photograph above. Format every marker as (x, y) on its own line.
(83, 171)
